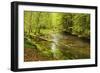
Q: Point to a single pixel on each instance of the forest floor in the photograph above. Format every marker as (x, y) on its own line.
(67, 47)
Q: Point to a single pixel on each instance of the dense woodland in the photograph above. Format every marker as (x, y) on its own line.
(40, 29)
(41, 23)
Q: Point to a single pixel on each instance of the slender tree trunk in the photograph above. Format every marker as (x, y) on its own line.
(30, 24)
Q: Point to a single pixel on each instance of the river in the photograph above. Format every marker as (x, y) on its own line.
(62, 47)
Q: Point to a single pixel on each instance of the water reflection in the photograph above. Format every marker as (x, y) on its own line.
(54, 43)
(58, 47)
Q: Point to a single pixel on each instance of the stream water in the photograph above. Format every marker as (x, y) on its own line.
(62, 47)
(69, 47)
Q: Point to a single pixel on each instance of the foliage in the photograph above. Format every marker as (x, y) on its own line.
(42, 23)
(40, 26)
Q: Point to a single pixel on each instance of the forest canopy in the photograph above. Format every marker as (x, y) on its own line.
(42, 23)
